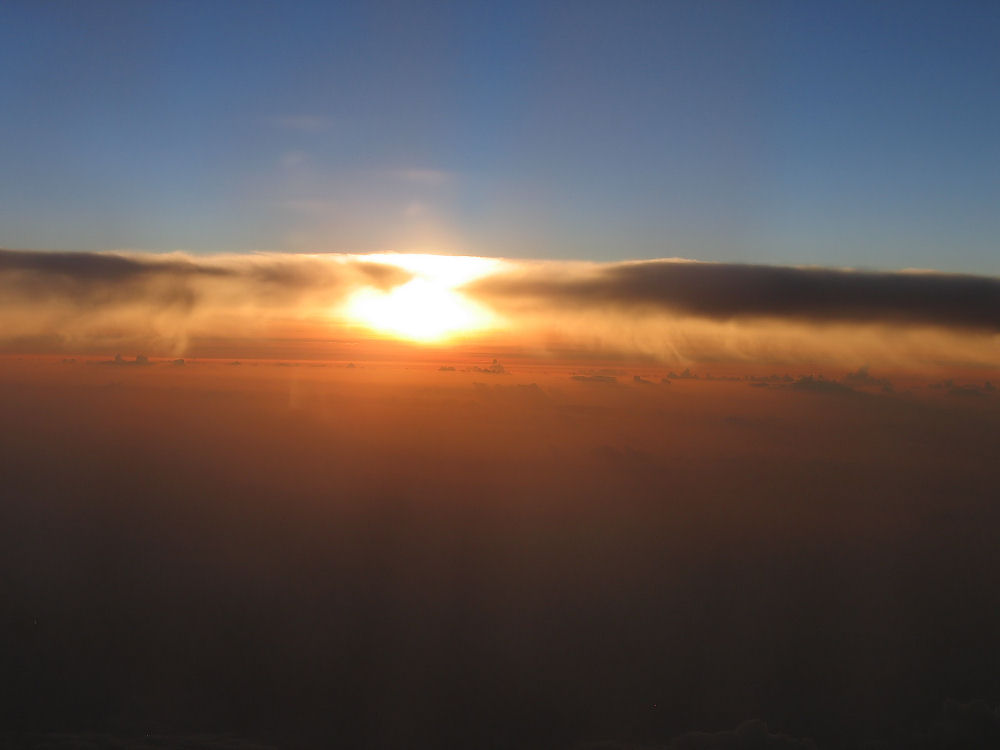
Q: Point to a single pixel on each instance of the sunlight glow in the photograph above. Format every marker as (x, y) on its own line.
(427, 308)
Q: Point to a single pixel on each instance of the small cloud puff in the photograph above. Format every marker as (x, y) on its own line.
(861, 378)
(494, 369)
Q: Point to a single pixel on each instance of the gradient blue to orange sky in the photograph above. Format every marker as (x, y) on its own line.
(838, 134)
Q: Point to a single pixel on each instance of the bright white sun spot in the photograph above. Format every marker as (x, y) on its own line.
(428, 307)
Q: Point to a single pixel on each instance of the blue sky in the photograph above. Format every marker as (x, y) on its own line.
(846, 134)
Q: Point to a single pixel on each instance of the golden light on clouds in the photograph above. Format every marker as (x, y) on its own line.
(428, 307)
(667, 310)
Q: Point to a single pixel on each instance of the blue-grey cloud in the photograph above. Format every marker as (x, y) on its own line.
(105, 278)
(728, 291)
(56, 301)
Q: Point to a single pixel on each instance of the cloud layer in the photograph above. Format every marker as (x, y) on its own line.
(104, 278)
(671, 310)
(725, 291)
(66, 299)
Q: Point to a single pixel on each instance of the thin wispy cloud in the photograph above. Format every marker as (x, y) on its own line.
(424, 177)
(301, 123)
(293, 159)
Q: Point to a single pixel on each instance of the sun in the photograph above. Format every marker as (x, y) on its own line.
(428, 307)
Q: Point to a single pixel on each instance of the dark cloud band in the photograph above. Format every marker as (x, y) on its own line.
(723, 291)
(94, 280)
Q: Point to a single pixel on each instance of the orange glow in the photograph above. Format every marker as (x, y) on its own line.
(428, 308)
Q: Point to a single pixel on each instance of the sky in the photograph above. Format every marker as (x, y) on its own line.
(831, 134)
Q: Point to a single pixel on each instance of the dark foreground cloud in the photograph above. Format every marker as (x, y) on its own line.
(53, 301)
(726, 291)
(87, 278)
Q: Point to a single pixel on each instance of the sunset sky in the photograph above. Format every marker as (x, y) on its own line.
(836, 134)
(546, 375)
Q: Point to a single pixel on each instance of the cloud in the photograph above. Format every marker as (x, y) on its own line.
(861, 378)
(293, 159)
(301, 123)
(686, 313)
(727, 291)
(494, 369)
(424, 177)
(964, 390)
(78, 297)
(672, 311)
(168, 279)
(686, 375)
